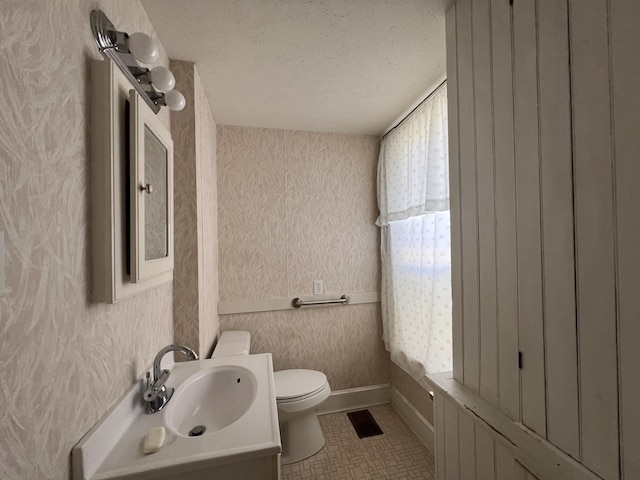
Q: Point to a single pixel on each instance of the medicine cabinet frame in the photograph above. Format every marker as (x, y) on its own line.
(111, 186)
(151, 197)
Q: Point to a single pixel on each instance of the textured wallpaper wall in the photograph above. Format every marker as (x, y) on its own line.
(185, 271)
(64, 361)
(207, 197)
(195, 276)
(294, 207)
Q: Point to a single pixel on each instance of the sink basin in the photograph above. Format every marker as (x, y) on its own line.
(211, 400)
(232, 398)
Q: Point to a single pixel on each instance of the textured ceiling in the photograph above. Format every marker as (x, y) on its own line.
(349, 66)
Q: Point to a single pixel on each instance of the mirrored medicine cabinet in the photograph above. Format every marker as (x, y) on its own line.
(131, 187)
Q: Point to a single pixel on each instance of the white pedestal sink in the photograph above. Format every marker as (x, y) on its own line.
(228, 402)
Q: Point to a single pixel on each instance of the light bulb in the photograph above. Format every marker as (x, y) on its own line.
(162, 78)
(143, 47)
(174, 100)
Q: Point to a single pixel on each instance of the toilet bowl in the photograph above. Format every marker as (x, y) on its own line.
(298, 394)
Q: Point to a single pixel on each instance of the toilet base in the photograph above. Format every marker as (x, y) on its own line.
(301, 437)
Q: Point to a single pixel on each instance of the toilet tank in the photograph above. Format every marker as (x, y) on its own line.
(231, 343)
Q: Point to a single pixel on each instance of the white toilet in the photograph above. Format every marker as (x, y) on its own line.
(298, 394)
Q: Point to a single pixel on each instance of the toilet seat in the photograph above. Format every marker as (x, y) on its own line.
(298, 384)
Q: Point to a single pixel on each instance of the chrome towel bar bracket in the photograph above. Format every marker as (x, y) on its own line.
(297, 302)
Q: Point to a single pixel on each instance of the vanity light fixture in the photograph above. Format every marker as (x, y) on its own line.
(154, 85)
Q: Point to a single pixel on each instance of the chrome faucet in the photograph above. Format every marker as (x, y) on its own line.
(157, 395)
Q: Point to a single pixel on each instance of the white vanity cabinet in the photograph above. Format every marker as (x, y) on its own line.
(261, 468)
(131, 189)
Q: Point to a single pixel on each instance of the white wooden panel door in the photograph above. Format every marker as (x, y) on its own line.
(451, 442)
(557, 226)
(530, 313)
(481, 18)
(440, 442)
(521, 473)
(624, 18)
(504, 463)
(505, 211)
(547, 109)
(467, 442)
(485, 455)
(468, 197)
(594, 230)
(454, 188)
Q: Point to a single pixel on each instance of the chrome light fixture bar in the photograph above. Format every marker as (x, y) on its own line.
(155, 86)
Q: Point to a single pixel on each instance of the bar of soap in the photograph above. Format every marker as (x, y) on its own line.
(154, 440)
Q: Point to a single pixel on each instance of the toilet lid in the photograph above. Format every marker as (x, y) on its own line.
(298, 383)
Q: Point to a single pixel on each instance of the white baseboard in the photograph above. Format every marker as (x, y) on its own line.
(353, 398)
(416, 422)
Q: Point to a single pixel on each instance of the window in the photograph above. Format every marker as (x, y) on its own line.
(413, 197)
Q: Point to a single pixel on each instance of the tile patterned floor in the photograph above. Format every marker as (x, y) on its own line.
(397, 454)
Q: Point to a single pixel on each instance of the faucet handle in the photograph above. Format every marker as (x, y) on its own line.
(150, 394)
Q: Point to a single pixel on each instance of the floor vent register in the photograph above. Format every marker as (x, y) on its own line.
(364, 423)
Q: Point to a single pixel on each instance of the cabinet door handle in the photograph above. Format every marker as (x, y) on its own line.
(147, 188)
(520, 360)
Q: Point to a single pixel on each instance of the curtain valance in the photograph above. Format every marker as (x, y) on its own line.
(413, 169)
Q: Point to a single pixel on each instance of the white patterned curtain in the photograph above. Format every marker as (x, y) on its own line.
(413, 198)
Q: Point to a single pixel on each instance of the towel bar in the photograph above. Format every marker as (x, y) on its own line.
(297, 302)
